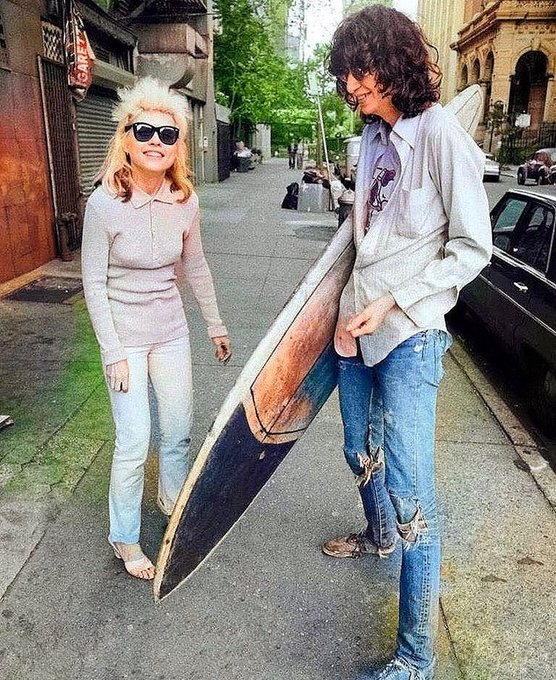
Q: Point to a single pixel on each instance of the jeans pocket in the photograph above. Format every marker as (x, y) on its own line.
(436, 346)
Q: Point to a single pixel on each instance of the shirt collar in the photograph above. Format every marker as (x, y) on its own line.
(381, 130)
(139, 198)
(407, 128)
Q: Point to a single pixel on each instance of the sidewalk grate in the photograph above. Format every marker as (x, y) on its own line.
(48, 289)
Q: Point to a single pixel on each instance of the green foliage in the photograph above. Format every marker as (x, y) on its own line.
(259, 86)
(276, 15)
(104, 4)
(339, 120)
(255, 80)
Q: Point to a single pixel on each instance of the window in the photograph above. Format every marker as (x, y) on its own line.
(506, 221)
(531, 243)
(3, 44)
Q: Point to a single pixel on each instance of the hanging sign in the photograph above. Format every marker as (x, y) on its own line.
(79, 54)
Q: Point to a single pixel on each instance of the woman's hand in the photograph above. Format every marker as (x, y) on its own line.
(118, 376)
(367, 321)
(223, 348)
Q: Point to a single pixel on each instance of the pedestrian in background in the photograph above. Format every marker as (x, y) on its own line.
(141, 224)
(292, 154)
(300, 154)
(421, 231)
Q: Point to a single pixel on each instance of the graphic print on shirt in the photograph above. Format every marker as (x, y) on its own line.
(376, 201)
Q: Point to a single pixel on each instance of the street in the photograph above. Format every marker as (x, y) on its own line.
(267, 604)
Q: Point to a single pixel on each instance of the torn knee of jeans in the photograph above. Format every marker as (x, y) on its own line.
(388, 416)
(369, 464)
(410, 531)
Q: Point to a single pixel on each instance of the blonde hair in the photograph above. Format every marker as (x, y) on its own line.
(146, 95)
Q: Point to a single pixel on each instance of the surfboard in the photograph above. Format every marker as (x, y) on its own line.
(280, 390)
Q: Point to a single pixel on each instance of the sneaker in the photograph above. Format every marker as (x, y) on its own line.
(399, 669)
(355, 545)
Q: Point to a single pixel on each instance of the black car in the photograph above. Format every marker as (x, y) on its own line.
(515, 295)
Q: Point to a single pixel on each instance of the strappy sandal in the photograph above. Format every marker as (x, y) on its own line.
(137, 563)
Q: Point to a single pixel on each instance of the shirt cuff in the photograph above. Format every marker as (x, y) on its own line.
(112, 356)
(217, 331)
(406, 296)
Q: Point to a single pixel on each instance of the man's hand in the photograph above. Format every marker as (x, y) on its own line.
(367, 321)
(118, 376)
(223, 348)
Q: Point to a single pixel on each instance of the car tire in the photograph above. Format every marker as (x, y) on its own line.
(520, 177)
(543, 398)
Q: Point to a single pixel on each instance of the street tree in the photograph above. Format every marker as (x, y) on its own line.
(251, 78)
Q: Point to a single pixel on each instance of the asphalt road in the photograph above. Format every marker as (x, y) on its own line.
(498, 366)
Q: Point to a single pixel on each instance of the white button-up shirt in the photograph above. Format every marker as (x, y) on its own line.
(431, 239)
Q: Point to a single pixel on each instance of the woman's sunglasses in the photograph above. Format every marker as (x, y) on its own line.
(168, 134)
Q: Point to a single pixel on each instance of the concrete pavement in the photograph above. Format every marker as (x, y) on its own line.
(267, 605)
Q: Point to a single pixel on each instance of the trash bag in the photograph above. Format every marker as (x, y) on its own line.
(290, 199)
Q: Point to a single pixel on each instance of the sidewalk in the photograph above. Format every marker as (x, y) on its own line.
(267, 605)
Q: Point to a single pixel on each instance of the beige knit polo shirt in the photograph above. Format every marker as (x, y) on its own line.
(129, 255)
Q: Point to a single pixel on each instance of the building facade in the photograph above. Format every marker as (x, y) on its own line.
(51, 148)
(26, 206)
(508, 47)
(441, 20)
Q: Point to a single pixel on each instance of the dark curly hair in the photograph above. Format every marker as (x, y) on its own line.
(386, 43)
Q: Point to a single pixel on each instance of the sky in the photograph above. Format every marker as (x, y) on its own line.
(323, 16)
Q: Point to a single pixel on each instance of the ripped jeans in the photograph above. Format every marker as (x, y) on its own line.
(389, 417)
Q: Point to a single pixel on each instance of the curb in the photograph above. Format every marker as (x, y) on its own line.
(57, 268)
(527, 449)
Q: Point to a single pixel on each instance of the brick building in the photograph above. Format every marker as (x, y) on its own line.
(50, 147)
(509, 48)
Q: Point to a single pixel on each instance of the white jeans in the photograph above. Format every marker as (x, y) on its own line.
(168, 366)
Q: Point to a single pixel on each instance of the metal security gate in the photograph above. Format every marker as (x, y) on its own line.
(95, 128)
(518, 144)
(58, 114)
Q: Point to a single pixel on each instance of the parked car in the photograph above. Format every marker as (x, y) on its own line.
(515, 295)
(492, 168)
(540, 167)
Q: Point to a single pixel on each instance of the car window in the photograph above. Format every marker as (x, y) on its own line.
(505, 222)
(531, 243)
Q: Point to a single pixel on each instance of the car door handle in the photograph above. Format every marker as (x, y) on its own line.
(522, 288)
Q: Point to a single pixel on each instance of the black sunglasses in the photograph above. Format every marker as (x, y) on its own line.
(168, 134)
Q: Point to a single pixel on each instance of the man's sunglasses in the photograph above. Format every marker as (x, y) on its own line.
(168, 134)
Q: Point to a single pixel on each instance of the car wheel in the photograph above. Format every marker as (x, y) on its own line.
(543, 398)
(520, 177)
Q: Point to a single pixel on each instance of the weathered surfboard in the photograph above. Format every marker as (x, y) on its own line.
(278, 393)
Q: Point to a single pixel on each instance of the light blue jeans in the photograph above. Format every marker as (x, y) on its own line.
(389, 417)
(167, 366)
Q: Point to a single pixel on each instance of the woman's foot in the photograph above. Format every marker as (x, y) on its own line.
(135, 561)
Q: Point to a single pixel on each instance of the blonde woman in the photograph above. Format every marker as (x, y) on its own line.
(141, 224)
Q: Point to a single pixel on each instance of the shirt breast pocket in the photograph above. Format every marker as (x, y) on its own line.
(420, 211)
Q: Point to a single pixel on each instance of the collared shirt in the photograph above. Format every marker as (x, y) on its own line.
(129, 255)
(432, 237)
